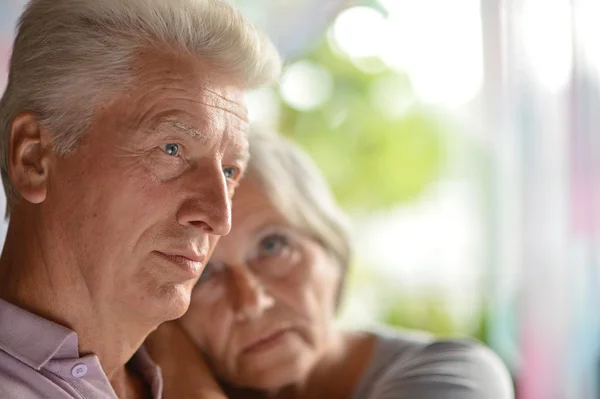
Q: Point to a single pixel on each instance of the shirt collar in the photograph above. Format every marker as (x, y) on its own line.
(32, 339)
(149, 371)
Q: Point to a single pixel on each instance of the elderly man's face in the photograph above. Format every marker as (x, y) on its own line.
(147, 193)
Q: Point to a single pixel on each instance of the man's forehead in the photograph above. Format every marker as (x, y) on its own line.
(227, 98)
(203, 82)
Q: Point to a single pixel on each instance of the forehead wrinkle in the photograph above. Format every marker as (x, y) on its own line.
(208, 98)
(222, 103)
(238, 111)
(240, 115)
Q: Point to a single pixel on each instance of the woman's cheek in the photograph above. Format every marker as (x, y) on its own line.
(208, 314)
(215, 295)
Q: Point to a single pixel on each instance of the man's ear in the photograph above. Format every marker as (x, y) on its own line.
(29, 157)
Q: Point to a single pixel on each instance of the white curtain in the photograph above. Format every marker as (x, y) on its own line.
(543, 113)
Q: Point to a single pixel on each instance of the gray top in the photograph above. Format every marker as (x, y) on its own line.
(407, 367)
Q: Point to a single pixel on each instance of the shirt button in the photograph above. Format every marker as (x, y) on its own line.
(79, 370)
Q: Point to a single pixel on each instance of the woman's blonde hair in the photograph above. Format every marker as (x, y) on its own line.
(298, 190)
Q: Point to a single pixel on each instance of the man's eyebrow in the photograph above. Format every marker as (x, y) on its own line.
(170, 123)
(181, 127)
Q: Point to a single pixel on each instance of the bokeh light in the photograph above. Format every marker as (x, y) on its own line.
(547, 42)
(441, 50)
(263, 106)
(306, 85)
(359, 31)
(588, 31)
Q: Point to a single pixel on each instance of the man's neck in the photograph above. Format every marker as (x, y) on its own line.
(35, 276)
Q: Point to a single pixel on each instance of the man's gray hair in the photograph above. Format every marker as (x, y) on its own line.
(70, 56)
(300, 193)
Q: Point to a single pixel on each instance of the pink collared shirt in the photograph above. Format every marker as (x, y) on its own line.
(40, 359)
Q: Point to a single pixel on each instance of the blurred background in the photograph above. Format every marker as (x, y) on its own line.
(461, 137)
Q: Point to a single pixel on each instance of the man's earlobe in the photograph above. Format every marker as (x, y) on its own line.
(29, 157)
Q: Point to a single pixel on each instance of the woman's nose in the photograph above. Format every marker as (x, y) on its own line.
(250, 300)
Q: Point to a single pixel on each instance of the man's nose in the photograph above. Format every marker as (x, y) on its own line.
(250, 300)
(209, 205)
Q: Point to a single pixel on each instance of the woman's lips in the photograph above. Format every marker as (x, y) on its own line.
(268, 341)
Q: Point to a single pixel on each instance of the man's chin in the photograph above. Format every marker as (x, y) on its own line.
(170, 303)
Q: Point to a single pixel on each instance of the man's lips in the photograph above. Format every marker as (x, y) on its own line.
(191, 264)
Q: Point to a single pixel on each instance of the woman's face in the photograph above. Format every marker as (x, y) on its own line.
(262, 311)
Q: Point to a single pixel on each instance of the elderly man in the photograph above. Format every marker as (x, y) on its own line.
(123, 138)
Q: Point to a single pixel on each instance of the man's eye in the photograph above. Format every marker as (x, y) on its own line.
(230, 172)
(171, 149)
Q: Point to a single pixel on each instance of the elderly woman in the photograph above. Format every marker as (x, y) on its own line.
(262, 314)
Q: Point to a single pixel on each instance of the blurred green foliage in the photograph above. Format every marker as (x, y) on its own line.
(371, 160)
(429, 313)
(425, 310)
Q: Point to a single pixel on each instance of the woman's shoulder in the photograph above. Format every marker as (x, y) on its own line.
(408, 364)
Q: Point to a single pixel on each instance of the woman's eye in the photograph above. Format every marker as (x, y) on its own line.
(273, 245)
(230, 172)
(277, 255)
(171, 149)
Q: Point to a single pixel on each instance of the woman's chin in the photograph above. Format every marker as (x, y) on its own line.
(275, 368)
(273, 379)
